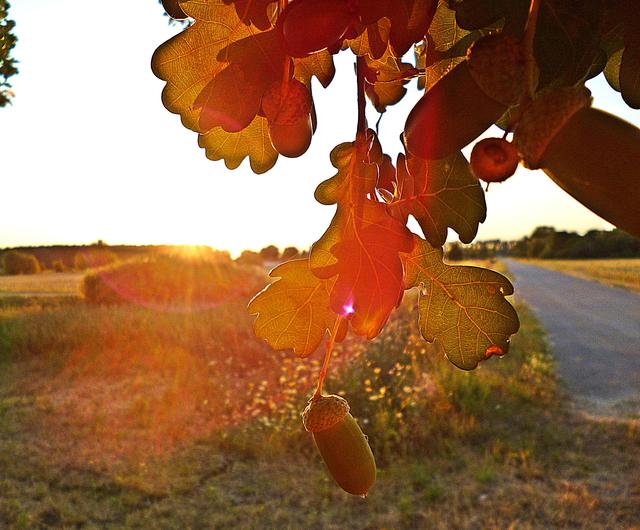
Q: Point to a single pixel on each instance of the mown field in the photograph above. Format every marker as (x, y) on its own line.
(617, 272)
(44, 284)
(129, 417)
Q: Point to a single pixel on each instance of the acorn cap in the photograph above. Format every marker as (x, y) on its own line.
(543, 118)
(324, 412)
(497, 64)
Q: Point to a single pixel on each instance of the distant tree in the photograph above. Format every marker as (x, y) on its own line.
(20, 263)
(7, 62)
(535, 247)
(58, 265)
(542, 232)
(290, 253)
(455, 252)
(249, 257)
(547, 243)
(92, 258)
(270, 253)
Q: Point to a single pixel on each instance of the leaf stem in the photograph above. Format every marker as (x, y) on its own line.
(327, 356)
(362, 103)
(282, 5)
(527, 41)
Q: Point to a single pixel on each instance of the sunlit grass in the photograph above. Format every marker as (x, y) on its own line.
(45, 283)
(128, 417)
(617, 272)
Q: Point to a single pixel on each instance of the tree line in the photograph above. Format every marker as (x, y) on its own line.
(64, 258)
(545, 242)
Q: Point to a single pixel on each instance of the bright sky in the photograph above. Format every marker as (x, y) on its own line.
(89, 152)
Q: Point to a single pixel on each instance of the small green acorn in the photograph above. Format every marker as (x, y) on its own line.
(341, 443)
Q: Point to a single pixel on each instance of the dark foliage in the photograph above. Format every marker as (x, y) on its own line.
(20, 263)
(7, 62)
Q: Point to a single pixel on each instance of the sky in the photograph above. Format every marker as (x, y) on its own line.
(88, 151)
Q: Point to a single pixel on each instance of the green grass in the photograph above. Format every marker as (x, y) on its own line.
(122, 417)
(617, 272)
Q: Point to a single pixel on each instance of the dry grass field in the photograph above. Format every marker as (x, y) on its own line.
(43, 284)
(616, 272)
(127, 417)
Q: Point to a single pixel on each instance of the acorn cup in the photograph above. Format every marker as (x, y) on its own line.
(341, 443)
(468, 99)
(592, 155)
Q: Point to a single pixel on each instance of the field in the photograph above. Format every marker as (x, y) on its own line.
(126, 417)
(616, 272)
(45, 284)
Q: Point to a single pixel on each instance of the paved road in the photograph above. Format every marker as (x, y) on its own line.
(594, 330)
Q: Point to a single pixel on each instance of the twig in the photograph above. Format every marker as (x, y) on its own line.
(327, 356)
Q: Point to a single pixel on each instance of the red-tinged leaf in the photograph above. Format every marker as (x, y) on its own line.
(407, 22)
(410, 21)
(390, 76)
(370, 283)
(440, 194)
(373, 40)
(261, 51)
(363, 242)
(256, 62)
(222, 105)
(217, 71)
(256, 12)
(463, 307)
(233, 148)
(293, 312)
(188, 62)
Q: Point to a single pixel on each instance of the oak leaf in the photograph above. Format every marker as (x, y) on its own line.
(294, 312)
(407, 23)
(256, 12)
(233, 148)
(373, 40)
(319, 65)
(362, 245)
(385, 85)
(463, 307)
(410, 21)
(440, 194)
(190, 61)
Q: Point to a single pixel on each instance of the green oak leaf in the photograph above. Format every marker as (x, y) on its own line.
(440, 194)
(252, 141)
(463, 307)
(293, 312)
